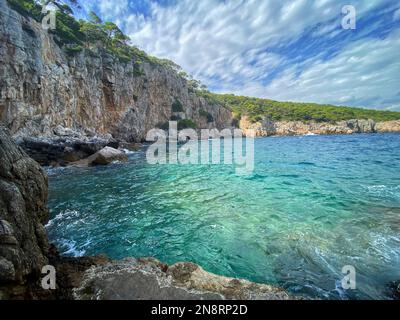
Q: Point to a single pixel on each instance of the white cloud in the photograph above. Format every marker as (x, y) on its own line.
(229, 44)
(396, 15)
(365, 73)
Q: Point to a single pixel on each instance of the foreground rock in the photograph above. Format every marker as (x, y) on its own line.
(105, 156)
(149, 279)
(24, 247)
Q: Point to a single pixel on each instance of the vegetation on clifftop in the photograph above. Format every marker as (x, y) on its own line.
(75, 35)
(257, 109)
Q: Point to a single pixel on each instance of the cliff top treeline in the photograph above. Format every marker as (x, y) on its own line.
(257, 109)
(75, 36)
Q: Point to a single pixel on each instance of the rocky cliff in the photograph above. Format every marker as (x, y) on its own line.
(290, 128)
(42, 87)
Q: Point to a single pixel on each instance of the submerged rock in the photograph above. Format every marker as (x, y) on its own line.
(147, 278)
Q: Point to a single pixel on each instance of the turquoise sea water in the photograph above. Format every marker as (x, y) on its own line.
(313, 205)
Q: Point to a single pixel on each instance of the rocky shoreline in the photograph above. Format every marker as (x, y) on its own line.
(69, 147)
(111, 105)
(265, 127)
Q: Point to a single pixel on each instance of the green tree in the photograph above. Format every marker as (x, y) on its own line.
(94, 18)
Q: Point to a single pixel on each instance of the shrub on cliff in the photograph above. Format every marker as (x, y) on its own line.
(207, 115)
(26, 8)
(175, 118)
(89, 33)
(186, 124)
(177, 106)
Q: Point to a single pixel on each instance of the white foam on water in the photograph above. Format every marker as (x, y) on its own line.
(384, 190)
(62, 216)
(53, 171)
(126, 151)
(70, 249)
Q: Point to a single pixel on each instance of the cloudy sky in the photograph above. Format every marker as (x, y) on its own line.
(279, 49)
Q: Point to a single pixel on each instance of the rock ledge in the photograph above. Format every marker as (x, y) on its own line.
(149, 279)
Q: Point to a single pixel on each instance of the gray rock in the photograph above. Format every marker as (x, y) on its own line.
(7, 272)
(105, 156)
(147, 278)
(108, 155)
(63, 151)
(23, 211)
(267, 127)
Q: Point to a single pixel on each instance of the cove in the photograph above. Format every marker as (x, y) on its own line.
(312, 206)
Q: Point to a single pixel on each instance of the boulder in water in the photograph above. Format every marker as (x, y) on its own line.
(105, 156)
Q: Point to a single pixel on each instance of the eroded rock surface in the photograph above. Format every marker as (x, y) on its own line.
(148, 278)
(24, 245)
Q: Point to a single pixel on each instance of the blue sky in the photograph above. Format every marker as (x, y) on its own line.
(279, 49)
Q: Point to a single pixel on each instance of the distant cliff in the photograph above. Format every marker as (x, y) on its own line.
(265, 127)
(42, 87)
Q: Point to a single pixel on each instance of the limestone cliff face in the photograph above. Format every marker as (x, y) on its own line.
(388, 126)
(290, 128)
(42, 87)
